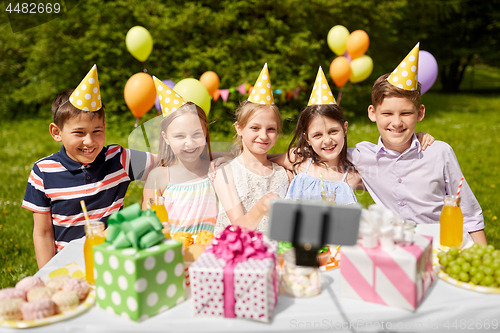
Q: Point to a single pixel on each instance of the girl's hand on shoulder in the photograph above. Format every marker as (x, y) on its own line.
(425, 139)
(214, 164)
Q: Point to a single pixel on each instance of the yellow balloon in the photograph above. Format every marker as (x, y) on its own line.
(361, 68)
(139, 43)
(194, 91)
(337, 39)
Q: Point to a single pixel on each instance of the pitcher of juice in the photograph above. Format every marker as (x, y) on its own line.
(452, 222)
(94, 235)
(158, 206)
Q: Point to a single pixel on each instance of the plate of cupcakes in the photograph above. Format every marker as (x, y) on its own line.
(36, 301)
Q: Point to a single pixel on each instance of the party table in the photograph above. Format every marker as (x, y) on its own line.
(446, 308)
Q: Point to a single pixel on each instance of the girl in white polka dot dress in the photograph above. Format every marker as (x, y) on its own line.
(246, 184)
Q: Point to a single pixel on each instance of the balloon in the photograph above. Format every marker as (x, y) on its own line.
(337, 38)
(194, 91)
(211, 81)
(171, 85)
(361, 68)
(140, 94)
(340, 70)
(139, 43)
(357, 43)
(427, 70)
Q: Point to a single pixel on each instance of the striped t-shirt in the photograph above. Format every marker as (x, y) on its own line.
(57, 184)
(191, 207)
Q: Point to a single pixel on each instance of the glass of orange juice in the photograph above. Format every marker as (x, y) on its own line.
(452, 222)
(94, 235)
(158, 206)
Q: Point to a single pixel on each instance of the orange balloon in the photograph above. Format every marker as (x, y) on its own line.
(140, 94)
(211, 81)
(340, 70)
(357, 43)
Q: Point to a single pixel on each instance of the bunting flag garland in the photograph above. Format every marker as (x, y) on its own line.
(246, 89)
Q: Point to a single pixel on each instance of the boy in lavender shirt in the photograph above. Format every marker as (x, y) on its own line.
(397, 172)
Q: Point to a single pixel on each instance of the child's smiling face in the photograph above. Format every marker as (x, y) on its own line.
(326, 137)
(186, 137)
(396, 120)
(260, 133)
(82, 137)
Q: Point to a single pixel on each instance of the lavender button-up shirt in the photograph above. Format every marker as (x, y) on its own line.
(413, 183)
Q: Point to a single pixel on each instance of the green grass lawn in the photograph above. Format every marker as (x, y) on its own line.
(469, 123)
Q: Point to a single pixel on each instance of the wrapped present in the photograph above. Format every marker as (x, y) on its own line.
(387, 272)
(236, 277)
(144, 278)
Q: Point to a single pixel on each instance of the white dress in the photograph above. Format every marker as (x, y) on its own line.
(251, 187)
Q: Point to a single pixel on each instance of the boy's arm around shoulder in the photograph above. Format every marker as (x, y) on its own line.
(43, 238)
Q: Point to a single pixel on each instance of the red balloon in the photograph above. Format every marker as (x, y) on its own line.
(357, 43)
(140, 94)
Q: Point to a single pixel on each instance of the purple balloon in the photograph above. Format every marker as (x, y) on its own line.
(427, 70)
(171, 85)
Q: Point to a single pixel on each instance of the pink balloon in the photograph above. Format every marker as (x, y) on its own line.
(427, 70)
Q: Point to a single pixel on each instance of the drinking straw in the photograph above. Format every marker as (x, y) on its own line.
(458, 192)
(84, 209)
(156, 194)
(322, 184)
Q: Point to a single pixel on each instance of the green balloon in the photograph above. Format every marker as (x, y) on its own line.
(139, 43)
(194, 91)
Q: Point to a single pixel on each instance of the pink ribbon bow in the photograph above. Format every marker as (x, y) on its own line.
(236, 245)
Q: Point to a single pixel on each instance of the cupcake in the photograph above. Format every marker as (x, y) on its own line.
(192, 252)
(80, 286)
(11, 293)
(38, 293)
(185, 237)
(57, 282)
(29, 283)
(10, 309)
(37, 309)
(65, 300)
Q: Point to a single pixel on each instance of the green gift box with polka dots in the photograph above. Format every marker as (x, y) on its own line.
(138, 284)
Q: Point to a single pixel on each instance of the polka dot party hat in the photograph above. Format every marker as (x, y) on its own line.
(321, 93)
(262, 92)
(405, 76)
(169, 99)
(87, 96)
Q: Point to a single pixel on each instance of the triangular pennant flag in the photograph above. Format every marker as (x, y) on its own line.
(216, 95)
(296, 92)
(87, 96)
(224, 93)
(242, 89)
(169, 99)
(262, 92)
(405, 76)
(321, 93)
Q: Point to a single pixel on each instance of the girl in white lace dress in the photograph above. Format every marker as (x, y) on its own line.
(246, 184)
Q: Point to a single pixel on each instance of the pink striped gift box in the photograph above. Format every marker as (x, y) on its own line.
(399, 278)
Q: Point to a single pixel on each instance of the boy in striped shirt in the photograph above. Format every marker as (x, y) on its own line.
(84, 169)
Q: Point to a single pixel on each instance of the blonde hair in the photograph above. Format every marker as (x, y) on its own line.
(165, 154)
(246, 110)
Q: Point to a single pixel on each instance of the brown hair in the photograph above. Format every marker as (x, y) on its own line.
(301, 149)
(165, 154)
(383, 88)
(246, 110)
(62, 110)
